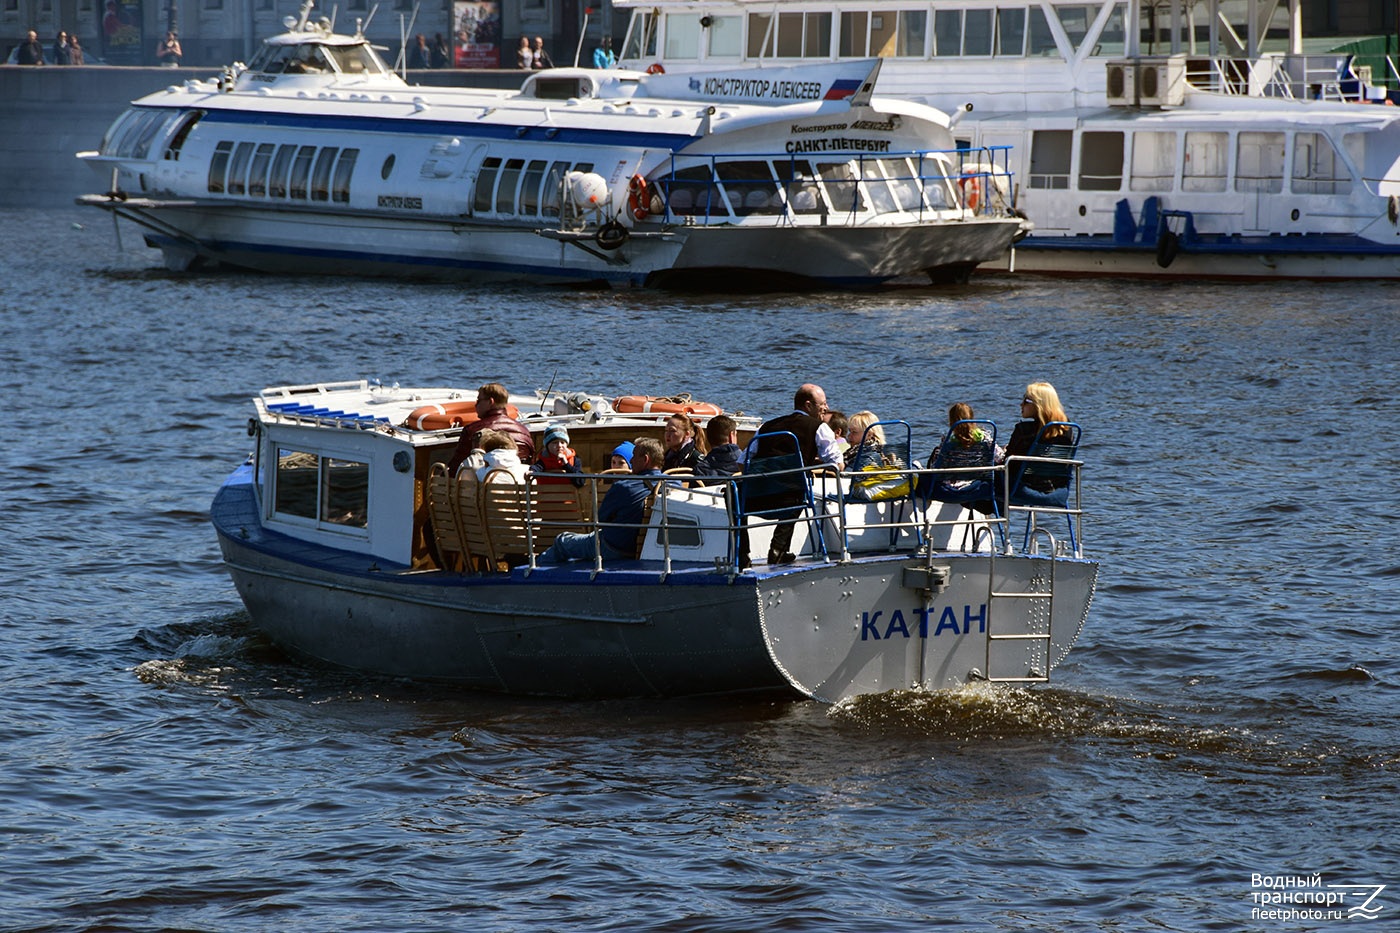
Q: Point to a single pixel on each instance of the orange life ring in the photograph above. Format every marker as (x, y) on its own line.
(644, 404)
(440, 417)
(971, 186)
(655, 69)
(638, 198)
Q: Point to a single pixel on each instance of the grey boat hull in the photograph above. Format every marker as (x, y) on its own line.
(820, 629)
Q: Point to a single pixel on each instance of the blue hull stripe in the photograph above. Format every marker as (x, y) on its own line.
(416, 127)
(1307, 245)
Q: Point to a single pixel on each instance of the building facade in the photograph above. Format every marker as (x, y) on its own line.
(482, 33)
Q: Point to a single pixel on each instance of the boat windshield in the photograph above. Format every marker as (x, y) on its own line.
(314, 58)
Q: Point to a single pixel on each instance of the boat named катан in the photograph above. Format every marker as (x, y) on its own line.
(350, 544)
(318, 158)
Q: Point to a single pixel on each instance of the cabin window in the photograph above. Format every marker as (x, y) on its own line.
(1316, 167)
(257, 175)
(1041, 41)
(301, 171)
(1154, 162)
(1011, 32)
(689, 191)
(854, 34)
(1050, 156)
(125, 139)
(115, 131)
(321, 174)
(904, 180)
(321, 488)
(1259, 163)
(182, 133)
(913, 33)
(683, 36)
(883, 29)
(726, 36)
(505, 190)
(485, 185)
(842, 190)
(799, 184)
(793, 35)
(640, 41)
(553, 186)
(344, 169)
(750, 187)
(218, 165)
(1111, 40)
(1101, 161)
(387, 167)
(238, 169)
(297, 483)
(879, 190)
(977, 32)
(1205, 162)
(530, 188)
(153, 130)
(947, 33)
(277, 183)
(1076, 20)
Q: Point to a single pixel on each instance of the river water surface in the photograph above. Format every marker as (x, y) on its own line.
(1225, 735)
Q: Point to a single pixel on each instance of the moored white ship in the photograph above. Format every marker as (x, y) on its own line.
(1147, 138)
(317, 158)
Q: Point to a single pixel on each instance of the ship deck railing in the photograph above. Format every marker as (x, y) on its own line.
(838, 527)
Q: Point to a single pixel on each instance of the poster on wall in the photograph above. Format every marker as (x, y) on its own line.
(477, 43)
(123, 40)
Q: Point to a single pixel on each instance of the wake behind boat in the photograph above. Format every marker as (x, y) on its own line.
(349, 543)
(318, 158)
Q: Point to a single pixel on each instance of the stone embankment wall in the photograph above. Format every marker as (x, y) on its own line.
(49, 113)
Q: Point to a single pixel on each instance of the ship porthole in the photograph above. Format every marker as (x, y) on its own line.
(388, 167)
(1295, 213)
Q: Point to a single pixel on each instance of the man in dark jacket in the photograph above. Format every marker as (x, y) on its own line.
(782, 497)
(725, 457)
(624, 508)
(31, 51)
(492, 414)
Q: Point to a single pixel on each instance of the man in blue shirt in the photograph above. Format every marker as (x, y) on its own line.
(624, 507)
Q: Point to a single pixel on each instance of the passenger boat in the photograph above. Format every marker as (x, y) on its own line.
(349, 544)
(318, 158)
(1168, 138)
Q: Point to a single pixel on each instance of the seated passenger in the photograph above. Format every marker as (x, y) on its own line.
(621, 457)
(495, 451)
(684, 444)
(840, 424)
(1039, 406)
(966, 446)
(866, 443)
(557, 458)
(624, 507)
(492, 415)
(725, 458)
(869, 455)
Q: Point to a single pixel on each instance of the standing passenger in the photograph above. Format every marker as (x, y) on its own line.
(815, 444)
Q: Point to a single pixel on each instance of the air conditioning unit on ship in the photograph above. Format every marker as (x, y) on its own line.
(1161, 82)
(1147, 82)
(1122, 83)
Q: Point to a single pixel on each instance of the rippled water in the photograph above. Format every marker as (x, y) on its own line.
(1231, 710)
